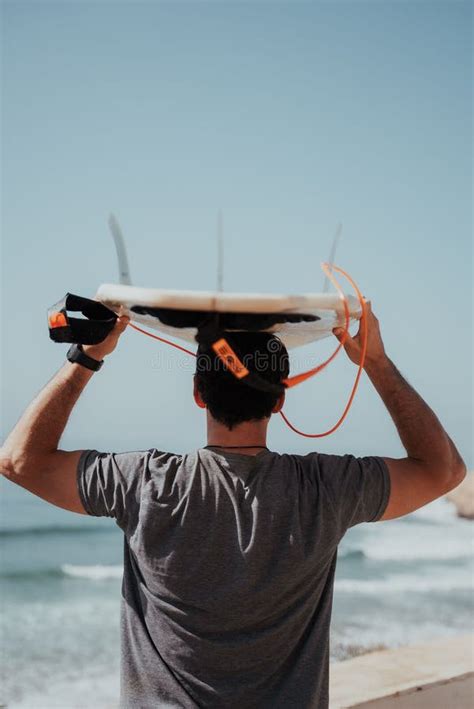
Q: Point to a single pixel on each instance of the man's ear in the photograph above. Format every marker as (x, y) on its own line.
(279, 405)
(197, 396)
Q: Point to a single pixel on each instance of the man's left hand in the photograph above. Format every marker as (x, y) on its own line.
(105, 348)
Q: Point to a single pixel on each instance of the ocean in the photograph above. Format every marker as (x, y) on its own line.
(404, 581)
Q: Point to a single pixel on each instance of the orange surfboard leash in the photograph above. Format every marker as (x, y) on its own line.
(303, 376)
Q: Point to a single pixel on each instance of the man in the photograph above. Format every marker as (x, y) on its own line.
(230, 551)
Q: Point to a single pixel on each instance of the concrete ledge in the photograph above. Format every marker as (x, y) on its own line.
(436, 675)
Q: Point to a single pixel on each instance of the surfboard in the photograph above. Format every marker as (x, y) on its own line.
(296, 319)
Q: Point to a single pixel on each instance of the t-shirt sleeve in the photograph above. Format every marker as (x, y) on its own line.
(110, 484)
(358, 489)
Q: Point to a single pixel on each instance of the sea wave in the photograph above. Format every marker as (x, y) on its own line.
(353, 553)
(448, 550)
(396, 583)
(98, 572)
(439, 512)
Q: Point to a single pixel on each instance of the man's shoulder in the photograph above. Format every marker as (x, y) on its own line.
(314, 462)
(311, 458)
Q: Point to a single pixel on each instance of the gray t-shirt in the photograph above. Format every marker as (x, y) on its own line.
(229, 565)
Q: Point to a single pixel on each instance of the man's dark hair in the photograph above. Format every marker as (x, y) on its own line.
(229, 400)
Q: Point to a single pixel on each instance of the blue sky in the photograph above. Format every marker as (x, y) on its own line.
(289, 117)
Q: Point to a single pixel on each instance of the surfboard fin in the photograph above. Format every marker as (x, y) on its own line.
(332, 255)
(119, 241)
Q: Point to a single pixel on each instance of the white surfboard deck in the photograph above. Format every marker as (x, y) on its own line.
(329, 308)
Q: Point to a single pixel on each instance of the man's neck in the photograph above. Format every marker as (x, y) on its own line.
(247, 436)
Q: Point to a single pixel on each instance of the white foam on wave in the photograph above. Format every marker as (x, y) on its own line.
(411, 547)
(432, 533)
(440, 511)
(95, 573)
(396, 583)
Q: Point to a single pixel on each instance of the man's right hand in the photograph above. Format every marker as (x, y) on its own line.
(353, 345)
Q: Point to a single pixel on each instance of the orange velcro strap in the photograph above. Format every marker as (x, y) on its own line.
(57, 320)
(227, 355)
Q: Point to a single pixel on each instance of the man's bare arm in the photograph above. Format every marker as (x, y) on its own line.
(30, 457)
(433, 465)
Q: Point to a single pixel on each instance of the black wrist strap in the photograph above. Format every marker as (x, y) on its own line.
(76, 355)
(93, 328)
